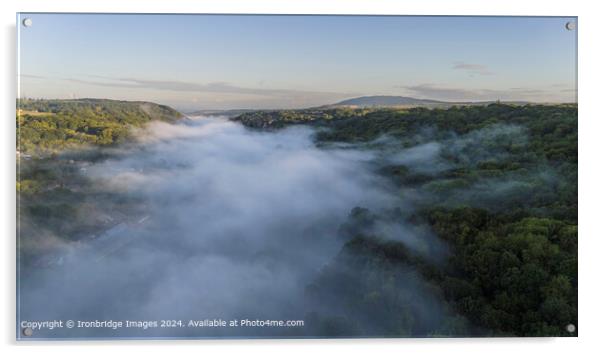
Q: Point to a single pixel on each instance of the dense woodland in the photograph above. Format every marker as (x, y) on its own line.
(500, 194)
(506, 205)
(53, 125)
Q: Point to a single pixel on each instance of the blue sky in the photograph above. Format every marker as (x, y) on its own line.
(225, 61)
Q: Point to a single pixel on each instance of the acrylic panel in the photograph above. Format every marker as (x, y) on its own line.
(189, 176)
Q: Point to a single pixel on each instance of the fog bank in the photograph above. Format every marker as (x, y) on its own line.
(234, 224)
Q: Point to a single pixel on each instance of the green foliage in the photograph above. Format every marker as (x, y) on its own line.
(282, 118)
(53, 125)
(505, 203)
(517, 277)
(552, 128)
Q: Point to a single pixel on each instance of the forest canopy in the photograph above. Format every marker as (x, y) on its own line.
(54, 125)
(497, 183)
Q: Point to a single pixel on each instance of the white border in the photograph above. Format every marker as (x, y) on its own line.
(590, 125)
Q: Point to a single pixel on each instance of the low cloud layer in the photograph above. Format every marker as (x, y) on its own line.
(183, 86)
(473, 69)
(235, 224)
(185, 95)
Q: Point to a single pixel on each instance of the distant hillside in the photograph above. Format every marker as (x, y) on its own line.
(380, 101)
(220, 112)
(52, 125)
(405, 102)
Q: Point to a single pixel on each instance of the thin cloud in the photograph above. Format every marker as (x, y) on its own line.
(474, 69)
(463, 94)
(440, 92)
(213, 87)
(525, 90)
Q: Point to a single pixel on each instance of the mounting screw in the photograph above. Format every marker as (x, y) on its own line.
(570, 26)
(570, 328)
(27, 22)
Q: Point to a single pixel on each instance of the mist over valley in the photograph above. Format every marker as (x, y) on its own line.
(357, 222)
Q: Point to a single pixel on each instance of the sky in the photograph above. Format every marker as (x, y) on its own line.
(195, 62)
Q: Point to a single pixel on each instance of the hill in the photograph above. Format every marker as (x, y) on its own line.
(51, 125)
(385, 101)
(406, 102)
